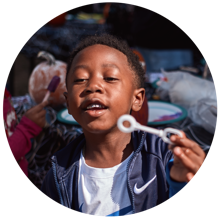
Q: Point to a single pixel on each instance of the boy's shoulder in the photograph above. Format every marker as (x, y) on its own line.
(70, 153)
(62, 162)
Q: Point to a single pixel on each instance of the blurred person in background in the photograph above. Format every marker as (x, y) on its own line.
(19, 134)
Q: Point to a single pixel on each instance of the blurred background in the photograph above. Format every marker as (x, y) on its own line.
(180, 92)
(161, 42)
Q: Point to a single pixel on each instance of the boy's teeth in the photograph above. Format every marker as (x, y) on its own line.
(95, 106)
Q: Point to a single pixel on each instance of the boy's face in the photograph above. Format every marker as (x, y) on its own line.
(101, 88)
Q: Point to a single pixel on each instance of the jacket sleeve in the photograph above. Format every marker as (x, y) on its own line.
(174, 187)
(19, 141)
(167, 157)
(49, 187)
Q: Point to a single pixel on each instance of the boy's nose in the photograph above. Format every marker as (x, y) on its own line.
(94, 85)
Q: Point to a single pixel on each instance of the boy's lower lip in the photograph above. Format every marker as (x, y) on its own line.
(95, 112)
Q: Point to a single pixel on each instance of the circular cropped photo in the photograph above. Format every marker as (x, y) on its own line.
(110, 109)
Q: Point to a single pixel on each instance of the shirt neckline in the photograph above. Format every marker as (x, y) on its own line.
(94, 172)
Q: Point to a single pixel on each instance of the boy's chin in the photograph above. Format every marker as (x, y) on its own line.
(98, 129)
(95, 131)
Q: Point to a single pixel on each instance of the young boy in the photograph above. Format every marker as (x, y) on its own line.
(104, 171)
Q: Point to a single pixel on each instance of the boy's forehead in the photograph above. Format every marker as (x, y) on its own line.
(101, 52)
(103, 56)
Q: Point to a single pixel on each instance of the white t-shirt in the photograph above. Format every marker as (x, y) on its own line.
(103, 191)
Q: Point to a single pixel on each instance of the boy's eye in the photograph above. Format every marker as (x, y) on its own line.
(79, 80)
(110, 79)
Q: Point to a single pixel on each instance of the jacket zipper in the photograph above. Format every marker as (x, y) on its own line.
(56, 182)
(129, 185)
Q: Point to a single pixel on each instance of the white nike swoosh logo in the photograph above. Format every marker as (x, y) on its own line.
(140, 190)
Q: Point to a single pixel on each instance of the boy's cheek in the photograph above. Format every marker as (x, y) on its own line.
(72, 108)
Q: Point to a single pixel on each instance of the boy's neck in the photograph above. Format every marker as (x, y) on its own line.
(107, 150)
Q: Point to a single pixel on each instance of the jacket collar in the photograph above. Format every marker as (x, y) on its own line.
(69, 156)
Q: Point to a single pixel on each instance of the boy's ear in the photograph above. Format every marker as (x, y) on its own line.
(139, 95)
(66, 94)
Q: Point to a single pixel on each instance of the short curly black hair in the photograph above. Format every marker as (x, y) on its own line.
(118, 44)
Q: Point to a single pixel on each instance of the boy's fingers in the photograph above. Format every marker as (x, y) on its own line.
(189, 176)
(183, 134)
(175, 135)
(185, 142)
(185, 160)
(174, 138)
(194, 157)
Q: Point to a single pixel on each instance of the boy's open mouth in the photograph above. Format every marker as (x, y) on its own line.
(94, 107)
(93, 104)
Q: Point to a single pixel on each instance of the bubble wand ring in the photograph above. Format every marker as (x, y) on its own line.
(134, 125)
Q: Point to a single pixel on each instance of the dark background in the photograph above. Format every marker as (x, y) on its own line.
(138, 26)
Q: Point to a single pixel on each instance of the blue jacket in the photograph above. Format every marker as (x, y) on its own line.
(151, 157)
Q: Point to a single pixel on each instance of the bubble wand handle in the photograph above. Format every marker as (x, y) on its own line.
(134, 125)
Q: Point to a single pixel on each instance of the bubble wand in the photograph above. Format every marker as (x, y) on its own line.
(134, 125)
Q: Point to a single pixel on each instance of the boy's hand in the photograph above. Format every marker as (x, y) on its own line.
(188, 157)
(37, 114)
